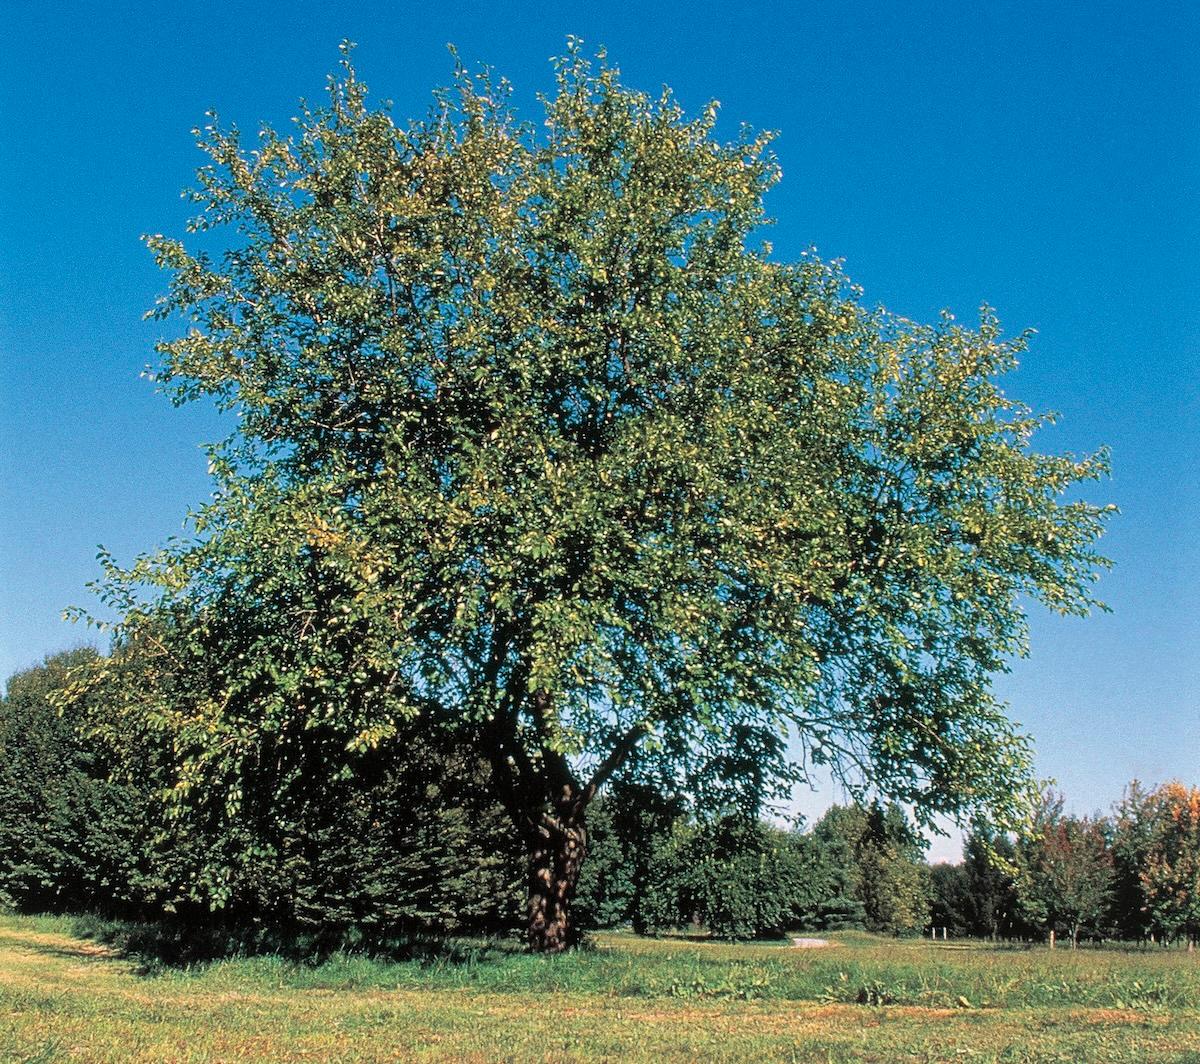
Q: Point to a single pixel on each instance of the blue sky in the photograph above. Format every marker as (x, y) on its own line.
(1042, 158)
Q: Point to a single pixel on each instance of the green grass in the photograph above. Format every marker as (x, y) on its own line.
(63, 997)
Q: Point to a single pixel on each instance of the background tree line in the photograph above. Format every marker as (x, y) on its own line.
(407, 843)
(412, 844)
(1132, 875)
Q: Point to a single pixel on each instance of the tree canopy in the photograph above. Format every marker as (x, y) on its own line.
(536, 442)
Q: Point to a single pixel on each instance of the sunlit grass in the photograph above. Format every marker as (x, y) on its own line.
(63, 997)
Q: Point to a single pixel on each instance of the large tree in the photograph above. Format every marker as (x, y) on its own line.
(533, 442)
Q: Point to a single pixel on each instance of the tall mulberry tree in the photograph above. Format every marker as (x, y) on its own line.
(535, 443)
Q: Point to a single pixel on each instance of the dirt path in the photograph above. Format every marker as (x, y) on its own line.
(809, 943)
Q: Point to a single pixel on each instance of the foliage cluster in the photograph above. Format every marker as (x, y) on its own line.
(401, 845)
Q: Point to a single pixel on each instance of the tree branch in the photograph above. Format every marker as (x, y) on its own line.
(616, 758)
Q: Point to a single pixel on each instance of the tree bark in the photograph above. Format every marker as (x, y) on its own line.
(555, 859)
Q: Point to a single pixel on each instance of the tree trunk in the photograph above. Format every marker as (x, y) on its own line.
(554, 862)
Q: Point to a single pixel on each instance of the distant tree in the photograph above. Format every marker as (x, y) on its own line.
(893, 878)
(950, 903)
(1133, 830)
(1170, 877)
(864, 867)
(826, 897)
(1066, 878)
(606, 891)
(989, 863)
(736, 876)
(407, 844)
(535, 445)
(833, 900)
(630, 826)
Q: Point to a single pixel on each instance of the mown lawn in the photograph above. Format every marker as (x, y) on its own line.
(63, 997)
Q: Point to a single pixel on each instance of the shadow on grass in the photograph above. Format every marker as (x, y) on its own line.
(70, 953)
(158, 945)
(707, 938)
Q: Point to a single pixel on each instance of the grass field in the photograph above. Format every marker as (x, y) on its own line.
(63, 997)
